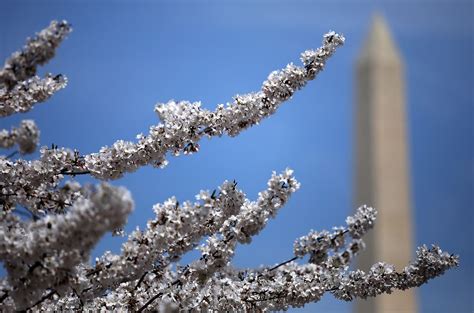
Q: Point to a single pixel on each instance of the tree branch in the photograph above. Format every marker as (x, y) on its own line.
(11, 155)
(44, 298)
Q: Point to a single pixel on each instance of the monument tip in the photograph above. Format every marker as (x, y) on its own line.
(379, 44)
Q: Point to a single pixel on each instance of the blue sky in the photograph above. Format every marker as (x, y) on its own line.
(125, 56)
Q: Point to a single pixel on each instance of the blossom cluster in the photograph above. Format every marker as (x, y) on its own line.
(175, 230)
(383, 278)
(37, 51)
(318, 244)
(184, 123)
(20, 88)
(25, 94)
(46, 253)
(50, 248)
(36, 185)
(294, 285)
(26, 136)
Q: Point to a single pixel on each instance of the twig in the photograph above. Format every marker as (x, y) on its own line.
(35, 265)
(345, 231)
(74, 173)
(156, 297)
(77, 295)
(283, 263)
(44, 298)
(35, 217)
(11, 155)
(149, 302)
(140, 280)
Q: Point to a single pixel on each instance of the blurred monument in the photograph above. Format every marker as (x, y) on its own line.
(382, 169)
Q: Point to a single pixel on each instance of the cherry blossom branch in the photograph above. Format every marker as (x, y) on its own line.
(35, 201)
(318, 244)
(196, 221)
(297, 257)
(288, 285)
(383, 278)
(184, 123)
(183, 126)
(295, 285)
(20, 89)
(175, 230)
(25, 94)
(37, 51)
(238, 228)
(60, 202)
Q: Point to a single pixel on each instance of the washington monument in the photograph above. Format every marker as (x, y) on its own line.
(382, 168)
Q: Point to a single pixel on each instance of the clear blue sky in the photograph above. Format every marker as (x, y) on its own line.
(125, 56)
